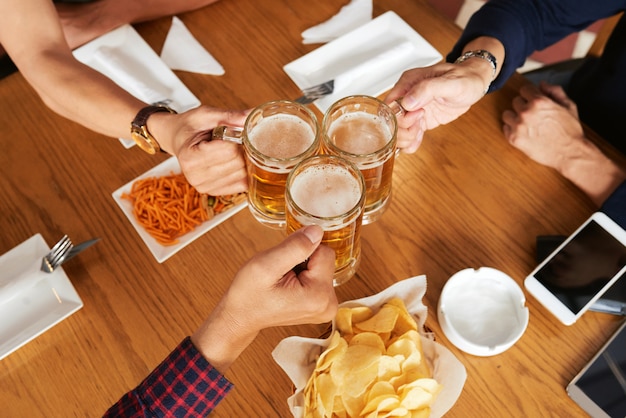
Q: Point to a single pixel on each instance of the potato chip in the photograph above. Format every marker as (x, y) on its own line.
(389, 367)
(370, 339)
(347, 316)
(405, 320)
(336, 348)
(373, 367)
(382, 321)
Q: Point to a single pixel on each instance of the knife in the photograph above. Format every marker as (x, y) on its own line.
(80, 248)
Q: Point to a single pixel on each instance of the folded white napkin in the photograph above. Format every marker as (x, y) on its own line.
(130, 74)
(387, 58)
(351, 16)
(20, 271)
(181, 51)
(297, 355)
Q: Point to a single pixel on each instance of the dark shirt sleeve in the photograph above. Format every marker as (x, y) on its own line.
(526, 26)
(615, 205)
(183, 385)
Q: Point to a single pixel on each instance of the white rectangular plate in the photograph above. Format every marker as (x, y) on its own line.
(38, 308)
(125, 44)
(162, 252)
(363, 43)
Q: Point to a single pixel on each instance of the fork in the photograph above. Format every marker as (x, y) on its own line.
(56, 255)
(370, 66)
(311, 94)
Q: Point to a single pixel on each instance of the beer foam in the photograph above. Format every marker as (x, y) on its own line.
(325, 191)
(281, 136)
(359, 133)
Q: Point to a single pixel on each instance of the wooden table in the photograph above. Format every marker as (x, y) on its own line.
(465, 199)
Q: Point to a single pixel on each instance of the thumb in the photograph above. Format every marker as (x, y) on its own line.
(295, 249)
(235, 117)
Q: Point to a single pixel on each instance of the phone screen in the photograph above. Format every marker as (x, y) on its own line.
(584, 266)
(602, 383)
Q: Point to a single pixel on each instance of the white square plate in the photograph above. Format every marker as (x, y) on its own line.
(148, 70)
(163, 252)
(363, 43)
(38, 308)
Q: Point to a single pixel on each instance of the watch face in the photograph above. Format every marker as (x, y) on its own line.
(139, 131)
(143, 142)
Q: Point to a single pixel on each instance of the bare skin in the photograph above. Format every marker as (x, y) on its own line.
(267, 293)
(544, 124)
(439, 94)
(33, 36)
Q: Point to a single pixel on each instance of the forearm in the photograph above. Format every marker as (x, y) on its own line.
(183, 384)
(593, 172)
(525, 26)
(145, 10)
(79, 93)
(481, 66)
(222, 338)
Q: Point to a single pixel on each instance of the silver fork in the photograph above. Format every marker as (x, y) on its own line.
(311, 94)
(377, 62)
(56, 255)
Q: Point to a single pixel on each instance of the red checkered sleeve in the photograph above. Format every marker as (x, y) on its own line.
(184, 384)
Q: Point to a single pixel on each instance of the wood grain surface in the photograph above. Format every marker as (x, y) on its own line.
(465, 199)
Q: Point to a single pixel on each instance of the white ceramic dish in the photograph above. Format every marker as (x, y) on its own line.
(162, 252)
(367, 41)
(482, 311)
(131, 63)
(38, 308)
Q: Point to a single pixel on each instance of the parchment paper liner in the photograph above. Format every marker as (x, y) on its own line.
(297, 355)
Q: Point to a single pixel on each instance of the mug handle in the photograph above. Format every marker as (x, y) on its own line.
(227, 133)
(397, 108)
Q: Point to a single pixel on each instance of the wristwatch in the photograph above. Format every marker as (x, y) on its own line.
(482, 54)
(139, 131)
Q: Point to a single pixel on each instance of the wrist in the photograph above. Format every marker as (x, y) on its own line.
(160, 125)
(487, 62)
(142, 128)
(222, 338)
(592, 171)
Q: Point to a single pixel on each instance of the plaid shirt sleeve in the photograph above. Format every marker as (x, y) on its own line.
(184, 384)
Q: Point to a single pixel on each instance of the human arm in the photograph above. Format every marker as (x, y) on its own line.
(526, 26)
(264, 293)
(439, 94)
(511, 30)
(31, 33)
(544, 125)
(86, 21)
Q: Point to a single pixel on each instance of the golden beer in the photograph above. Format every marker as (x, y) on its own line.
(363, 130)
(276, 137)
(329, 191)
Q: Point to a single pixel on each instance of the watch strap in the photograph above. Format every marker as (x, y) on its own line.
(143, 115)
(139, 124)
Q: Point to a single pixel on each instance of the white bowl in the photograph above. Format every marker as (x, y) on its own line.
(482, 312)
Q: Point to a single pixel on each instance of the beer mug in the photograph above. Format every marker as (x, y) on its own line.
(276, 136)
(329, 191)
(363, 130)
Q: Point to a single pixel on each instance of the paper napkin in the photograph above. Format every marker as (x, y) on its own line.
(297, 355)
(182, 51)
(20, 268)
(351, 16)
(131, 74)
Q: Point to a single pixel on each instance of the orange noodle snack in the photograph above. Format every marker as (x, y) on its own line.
(168, 207)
